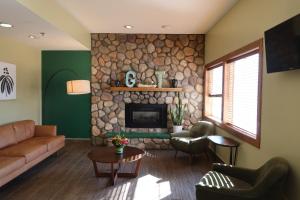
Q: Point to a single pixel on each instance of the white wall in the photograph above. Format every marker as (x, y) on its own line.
(280, 131)
(28, 66)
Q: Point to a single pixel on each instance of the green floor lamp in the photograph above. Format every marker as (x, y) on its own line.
(73, 87)
(77, 87)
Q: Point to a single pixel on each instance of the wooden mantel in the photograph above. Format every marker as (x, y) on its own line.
(145, 89)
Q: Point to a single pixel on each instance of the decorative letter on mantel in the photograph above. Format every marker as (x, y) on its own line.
(7, 81)
(159, 76)
(130, 78)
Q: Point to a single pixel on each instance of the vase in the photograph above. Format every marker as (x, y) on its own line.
(177, 129)
(117, 83)
(174, 83)
(119, 149)
(159, 76)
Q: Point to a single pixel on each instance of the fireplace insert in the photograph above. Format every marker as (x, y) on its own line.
(145, 115)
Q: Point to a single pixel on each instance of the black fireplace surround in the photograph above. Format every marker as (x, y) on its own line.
(145, 115)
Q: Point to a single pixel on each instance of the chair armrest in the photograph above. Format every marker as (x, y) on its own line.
(180, 134)
(198, 139)
(45, 130)
(247, 175)
(198, 145)
(224, 193)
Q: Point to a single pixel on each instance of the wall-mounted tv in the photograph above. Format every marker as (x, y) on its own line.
(282, 44)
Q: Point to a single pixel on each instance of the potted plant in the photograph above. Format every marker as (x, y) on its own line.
(177, 114)
(119, 142)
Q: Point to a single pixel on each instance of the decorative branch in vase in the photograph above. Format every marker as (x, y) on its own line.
(177, 114)
(147, 84)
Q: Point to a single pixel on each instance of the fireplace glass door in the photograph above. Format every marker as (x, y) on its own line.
(146, 115)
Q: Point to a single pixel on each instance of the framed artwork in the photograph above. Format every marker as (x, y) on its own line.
(7, 81)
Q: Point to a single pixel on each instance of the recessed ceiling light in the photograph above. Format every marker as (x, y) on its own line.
(31, 36)
(128, 26)
(5, 25)
(37, 36)
(42, 34)
(165, 26)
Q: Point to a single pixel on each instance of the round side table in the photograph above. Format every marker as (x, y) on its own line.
(226, 142)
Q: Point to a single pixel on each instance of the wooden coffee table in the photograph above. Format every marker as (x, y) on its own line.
(107, 155)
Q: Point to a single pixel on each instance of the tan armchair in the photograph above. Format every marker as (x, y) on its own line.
(193, 141)
(233, 183)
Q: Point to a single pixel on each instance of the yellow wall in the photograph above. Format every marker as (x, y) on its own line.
(280, 131)
(52, 12)
(28, 66)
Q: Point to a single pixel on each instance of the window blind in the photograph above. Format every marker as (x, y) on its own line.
(216, 77)
(241, 93)
(214, 92)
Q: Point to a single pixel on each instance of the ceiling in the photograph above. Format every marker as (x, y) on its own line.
(147, 16)
(105, 16)
(26, 23)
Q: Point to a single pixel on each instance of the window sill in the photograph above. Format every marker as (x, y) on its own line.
(243, 135)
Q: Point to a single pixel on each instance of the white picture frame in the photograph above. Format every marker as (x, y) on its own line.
(8, 81)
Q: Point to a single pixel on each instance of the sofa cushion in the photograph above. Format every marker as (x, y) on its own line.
(10, 164)
(45, 130)
(7, 136)
(28, 148)
(50, 141)
(219, 180)
(24, 129)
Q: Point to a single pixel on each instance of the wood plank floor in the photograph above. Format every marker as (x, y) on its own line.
(70, 176)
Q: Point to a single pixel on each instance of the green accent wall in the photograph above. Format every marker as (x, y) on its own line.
(71, 113)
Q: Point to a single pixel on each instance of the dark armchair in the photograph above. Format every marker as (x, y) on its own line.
(233, 183)
(193, 141)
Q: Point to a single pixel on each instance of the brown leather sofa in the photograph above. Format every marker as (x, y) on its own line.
(23, 145)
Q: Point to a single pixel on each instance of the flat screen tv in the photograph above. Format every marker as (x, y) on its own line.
(282, 44)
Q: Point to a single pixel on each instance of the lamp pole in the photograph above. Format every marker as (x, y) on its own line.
(48, 84)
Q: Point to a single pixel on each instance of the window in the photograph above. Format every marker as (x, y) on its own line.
(214, 93)
(233, 92)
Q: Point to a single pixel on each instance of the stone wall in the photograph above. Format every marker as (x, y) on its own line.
(181, 56)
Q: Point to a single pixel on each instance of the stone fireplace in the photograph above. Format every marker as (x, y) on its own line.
(145, 115)
(180, 56)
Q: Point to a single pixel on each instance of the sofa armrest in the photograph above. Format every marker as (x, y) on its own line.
(180, 134)
(45, 130)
